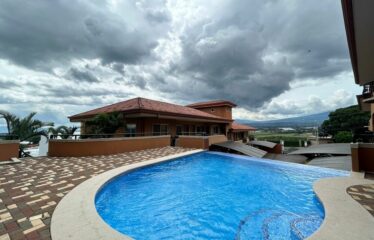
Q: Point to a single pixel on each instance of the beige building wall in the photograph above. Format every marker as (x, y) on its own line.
(200, 142)
(104, 146)
(222, 111)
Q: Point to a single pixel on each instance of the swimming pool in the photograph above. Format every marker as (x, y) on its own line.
(215, 196)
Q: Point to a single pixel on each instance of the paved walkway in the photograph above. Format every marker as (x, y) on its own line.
(363, 194)
(30, 191)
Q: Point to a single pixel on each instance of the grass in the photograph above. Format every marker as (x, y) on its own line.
(290, 139)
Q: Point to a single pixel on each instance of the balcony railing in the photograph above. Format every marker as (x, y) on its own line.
(8, 137)
(192, 134)
(111, 135)
(114, 135)
(367, 92)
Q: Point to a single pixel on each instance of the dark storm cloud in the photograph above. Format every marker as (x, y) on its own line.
(67, 91)
(42, 34)
(81, 75)
(157, 16)
(245, 51)
(118, 67)
(136, 80)
(250, 51)
(313, 37)
(8, 84)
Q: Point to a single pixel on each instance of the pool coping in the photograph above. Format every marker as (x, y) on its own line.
(345, 219)
(76, 218)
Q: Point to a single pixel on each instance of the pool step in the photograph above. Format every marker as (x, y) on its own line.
(277, 224)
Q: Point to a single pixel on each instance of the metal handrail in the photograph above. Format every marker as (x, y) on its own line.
(193, 134)
(126, 134)
(8, 137)
(107, 135)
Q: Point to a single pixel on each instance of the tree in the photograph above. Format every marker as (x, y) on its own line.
(62, 131)
(26, 129)
(343, 137)
(106, 123)
(8, 117)
(349, 119)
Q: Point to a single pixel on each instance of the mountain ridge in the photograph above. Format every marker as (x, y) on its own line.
(302, 121)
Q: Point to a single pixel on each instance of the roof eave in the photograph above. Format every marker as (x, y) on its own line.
(347, 7)
(88, 117)
(207, 105)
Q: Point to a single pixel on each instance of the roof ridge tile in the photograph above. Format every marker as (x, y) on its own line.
(145, 104)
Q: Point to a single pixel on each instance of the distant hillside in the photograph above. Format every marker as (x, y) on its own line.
(304, 121)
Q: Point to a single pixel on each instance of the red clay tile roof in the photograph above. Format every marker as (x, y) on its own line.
(137, 105)
(214, 103)
(240, 127)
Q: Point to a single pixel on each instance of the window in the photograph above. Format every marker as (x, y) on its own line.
(130, 130)
(193, 130)
(160, 129)
(186, 130)
(200, 130)
(164, 129)
(215, 130)
(179, 129)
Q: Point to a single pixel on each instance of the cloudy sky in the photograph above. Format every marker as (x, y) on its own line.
(274, 58)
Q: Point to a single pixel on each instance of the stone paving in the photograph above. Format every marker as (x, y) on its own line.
(363, 194)
(30, 191)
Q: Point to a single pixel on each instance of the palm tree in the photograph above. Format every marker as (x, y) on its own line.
(68, 131)
(63, 131)
(26, 129)
(106, 123)
(8, 117)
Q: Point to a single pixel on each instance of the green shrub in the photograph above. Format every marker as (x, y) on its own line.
(288, 140)
(343, 137)
(105, 123)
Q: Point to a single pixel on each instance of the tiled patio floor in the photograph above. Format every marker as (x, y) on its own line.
(364, 194)
(30, 191)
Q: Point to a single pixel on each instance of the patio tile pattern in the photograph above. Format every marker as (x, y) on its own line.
(30, 191)
(363, 194)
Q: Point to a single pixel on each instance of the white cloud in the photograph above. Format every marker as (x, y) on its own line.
(294, 107)
(95, 53)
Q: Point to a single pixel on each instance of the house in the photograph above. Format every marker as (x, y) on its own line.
(146, 117)
(359, 22)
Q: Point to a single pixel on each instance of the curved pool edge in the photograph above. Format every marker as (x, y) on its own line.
(76, 218)
(345, 219)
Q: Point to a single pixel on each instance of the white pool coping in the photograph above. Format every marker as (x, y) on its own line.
(345, 218)
(76, 218)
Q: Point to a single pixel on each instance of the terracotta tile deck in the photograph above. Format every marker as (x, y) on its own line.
(30, 191)
(363, 194)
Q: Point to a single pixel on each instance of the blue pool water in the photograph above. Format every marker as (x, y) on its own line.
(215, 196)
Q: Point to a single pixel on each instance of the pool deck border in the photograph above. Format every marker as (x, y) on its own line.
(345, 219)
(76, 218)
